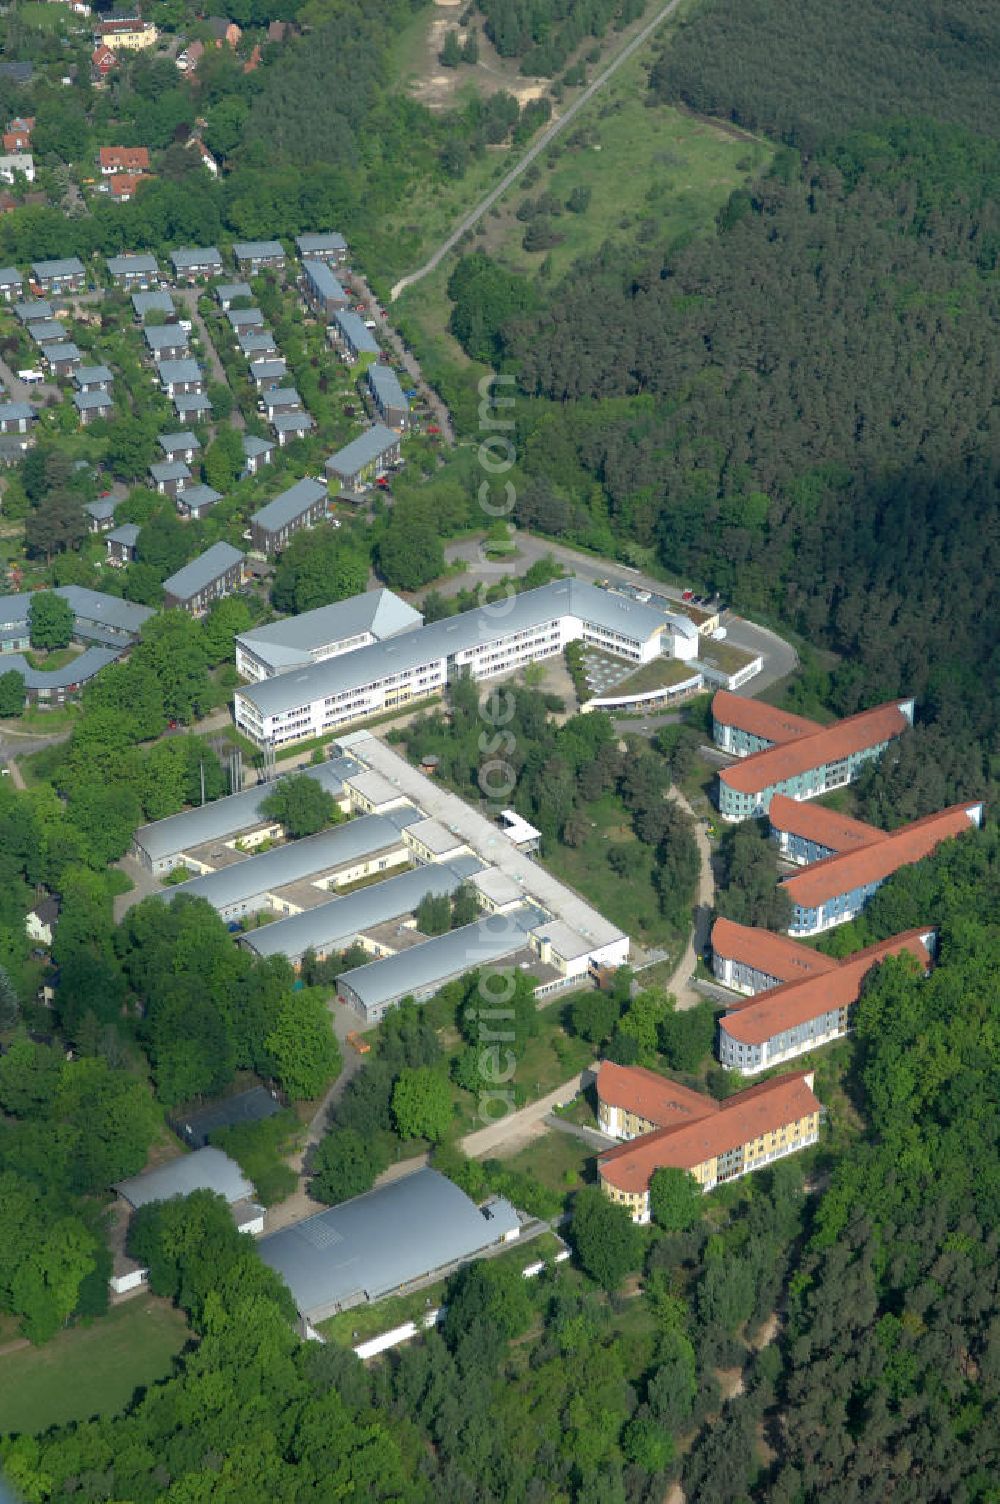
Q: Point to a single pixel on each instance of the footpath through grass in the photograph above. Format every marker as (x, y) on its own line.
(93, 1370)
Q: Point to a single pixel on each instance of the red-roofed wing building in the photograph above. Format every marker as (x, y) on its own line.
(800, 1016)
(807, 765)
(742, 1134)
(632, 1101)
(102, 60)
(835, 890)
(751, 960)
(124, 185)
(807, 833)
(743, 727)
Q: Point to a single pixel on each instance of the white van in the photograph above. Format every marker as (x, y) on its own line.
(31, 378)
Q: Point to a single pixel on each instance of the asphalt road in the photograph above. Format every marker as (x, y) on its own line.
(545, 140)
(780, 658)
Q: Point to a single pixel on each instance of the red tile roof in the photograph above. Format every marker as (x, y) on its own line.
(796, 1002)
(853, 869)
(740, 1119)
(829, 744)
(815, 822)
(124, 184)
(788, 960)
(760, 720)
(125, 158)
(653, 1097)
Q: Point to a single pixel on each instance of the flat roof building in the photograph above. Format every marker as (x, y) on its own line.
(326, 632)
(363, 1249)
(807, 764)
(485, 642)
(214, 574)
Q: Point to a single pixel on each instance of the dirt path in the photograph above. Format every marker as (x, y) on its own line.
(545, 140)
(680, 982)
(189, 297)
(528, 1123)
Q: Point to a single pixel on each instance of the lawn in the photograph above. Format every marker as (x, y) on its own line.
(91, 1370)
(561, 1161)
(642, 165)
(632, 905)
(57, 658)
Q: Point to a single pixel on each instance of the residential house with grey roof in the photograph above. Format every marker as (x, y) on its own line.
(257, 344)
(196, 263)
(165, 341)
(180, 376)
(245, 318)
(301, 506)
(121, 544)
(146, 303)
(179, 446)
(351, 336)
(329, 247)
(16, 417)
(169, 477)
(63, 359)
(257, 453)
(93, 405)
(289, 426)
(387, 397)
(194, 502)
(133, 273)
(192, 407)
(321, 289)
(229, 293)
(93, 379)
(268, 373)
(60, 276)
(365, 458)
(11, 283)
(197, 586)
(33, 310)
(253, 256)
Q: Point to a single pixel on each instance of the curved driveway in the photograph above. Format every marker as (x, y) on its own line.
(544, 140)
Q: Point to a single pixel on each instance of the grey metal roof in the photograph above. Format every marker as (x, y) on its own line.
(106, 610)
(65, 351)
(385, 384)
(422, 969)
(194, 577)
(78, 671)
(288, 643)
(170, 470)
(352, 327)
(70, 266)
(191, 257)
(178, 370)
(101, 510)
(257, 339)
(173, 443)
(197, 497)
(368, 446)
(299, 422)
(239, 882)
(152, 302)
(127, 534)
(282, 397)
(33, 309)
(227, 291)
(371, 1245)
(88, 402)
(223, 818)
(245, 318)
(187, 404)
(14, 611)
(268, 370)
(323, 280)
(89, 374)
(253, 446)
(46, 331)
(171, 336)
(452, 635)
(313, 243)
(120, 266)
(11, 411)
(10, 277)
(257, 250)
(334, 925)
(205, 1170)
(290, 504)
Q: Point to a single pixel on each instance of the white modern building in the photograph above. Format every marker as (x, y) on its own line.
(492, 640)
(299, 641)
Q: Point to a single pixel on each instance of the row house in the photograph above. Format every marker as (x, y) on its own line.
(300, 507)
(351, 336)
(196, 263)
(245, 318)
(321, 289)
(257, 344)
(61, 276)
(253, 256)
(133, 273)
(329, 247)
(63, 359)
(365, 458)
(192, 407)
(268, 373)
(11, 283)
(388, 397)
(213, 575)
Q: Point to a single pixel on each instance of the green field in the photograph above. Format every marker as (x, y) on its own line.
(91, 1370)
(561, 1161)
(659, 165)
